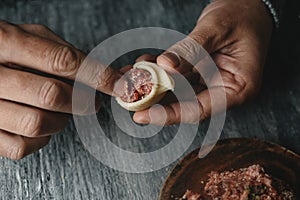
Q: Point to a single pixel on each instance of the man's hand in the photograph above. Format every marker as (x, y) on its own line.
(32, 106)
(236, 34)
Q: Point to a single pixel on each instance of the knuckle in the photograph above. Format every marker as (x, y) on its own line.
(18, 151)
(51, 95)
(64, 60)
(201, 36)
(31, 124)
(189, 49)
(206, 35)
(104, 78)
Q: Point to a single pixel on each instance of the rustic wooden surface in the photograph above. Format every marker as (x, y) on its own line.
(65, 170)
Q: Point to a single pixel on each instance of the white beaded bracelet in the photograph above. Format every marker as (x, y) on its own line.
(273, 12)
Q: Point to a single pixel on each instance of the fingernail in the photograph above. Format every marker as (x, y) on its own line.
(144, 120)
(172, 58)
(118, 89)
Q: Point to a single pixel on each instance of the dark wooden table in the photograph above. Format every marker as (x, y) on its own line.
(65, 170)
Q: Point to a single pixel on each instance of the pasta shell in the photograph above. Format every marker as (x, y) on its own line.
(162, 82)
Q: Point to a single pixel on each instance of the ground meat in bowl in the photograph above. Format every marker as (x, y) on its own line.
(137, 85)
(251, 183)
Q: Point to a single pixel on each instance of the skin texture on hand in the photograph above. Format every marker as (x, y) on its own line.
(236, 34)
(33, 106)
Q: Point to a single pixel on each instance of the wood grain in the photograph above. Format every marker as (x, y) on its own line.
(65, 170)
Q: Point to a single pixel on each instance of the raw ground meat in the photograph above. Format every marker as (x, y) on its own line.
(137, 85)
(251, 183)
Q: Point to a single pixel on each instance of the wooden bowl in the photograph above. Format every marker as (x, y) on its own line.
(231, 154)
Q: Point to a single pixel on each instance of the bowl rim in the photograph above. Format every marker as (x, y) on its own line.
(184, 160)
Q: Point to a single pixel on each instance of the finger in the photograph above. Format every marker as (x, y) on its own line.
(174, 113)
(228, 88)
(170, 97)
(182, 56)
(39, 31)
(29, 121)
(146, 57)
(42, 92)
(208, 103)
(173, 63)
(191, 76)
(206, 68)
(206, 38)
(17, 147)
(53, 58)
(43, 32)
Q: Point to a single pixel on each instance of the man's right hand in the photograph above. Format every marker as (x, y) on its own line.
(32, 106)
